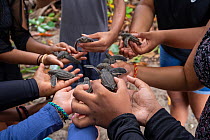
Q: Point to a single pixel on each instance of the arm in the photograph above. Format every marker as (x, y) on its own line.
(107, 38)
(178, 78)
(143, 16)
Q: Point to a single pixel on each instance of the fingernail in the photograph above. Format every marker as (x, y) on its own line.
(83, 34)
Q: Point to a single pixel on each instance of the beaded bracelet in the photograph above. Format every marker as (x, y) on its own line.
(60, 110)
(135, 70)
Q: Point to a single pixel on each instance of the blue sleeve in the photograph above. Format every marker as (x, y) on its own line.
(36, 127)
(87, 133)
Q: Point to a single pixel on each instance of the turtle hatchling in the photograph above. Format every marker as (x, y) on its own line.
(59, 75)
(65, 54)
(112, 59)
(82, 39)
(126, 37)
(86, 81)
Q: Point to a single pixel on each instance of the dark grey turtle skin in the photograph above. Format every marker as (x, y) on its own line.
(112, 59)
(126, 37)
(65, 54)
(103, 65)
(82, 39)
(107, 76)
(59, 74)
(86, 81)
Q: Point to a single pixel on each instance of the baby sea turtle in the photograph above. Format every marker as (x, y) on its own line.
(86, 81)
(126, 37)
(112, 59)
(59, 74)
(82, 39)
(65, 54)
(107, 76)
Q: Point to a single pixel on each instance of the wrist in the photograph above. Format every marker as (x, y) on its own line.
(152, 113)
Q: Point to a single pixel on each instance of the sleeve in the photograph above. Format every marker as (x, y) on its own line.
(162, 126)
(125, 127)
(4, 46)
(36, 127)
(17, 92)
(19, 31)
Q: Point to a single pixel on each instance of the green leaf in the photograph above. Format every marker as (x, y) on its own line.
(40, 20)
(114, 48)
(51, 15)
(128, 15)
(129, 10)
(40, 29)
(25, 70)
(32, 21)
(45, 26)
(51, 24)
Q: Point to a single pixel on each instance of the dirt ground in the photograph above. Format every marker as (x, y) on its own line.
(161, 96)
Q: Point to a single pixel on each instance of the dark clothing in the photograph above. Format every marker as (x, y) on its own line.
(11, 21)
(84, 17)
(17, 92)
(162, 126)
(178, 14)
(202, 69)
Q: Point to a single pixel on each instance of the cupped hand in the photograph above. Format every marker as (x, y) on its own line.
(126, 51)
(44, 85)
(63, 98)
(144, 103)
(62, 46)
(102, 106)
(151, 41)
(105, 40)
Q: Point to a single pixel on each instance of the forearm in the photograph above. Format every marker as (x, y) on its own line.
(143, 17)
(169, 78)
(118, 18)
(19, 57)
(17, 92)
(36, 47)
(37, 126)
(162, 126)
(181, 38)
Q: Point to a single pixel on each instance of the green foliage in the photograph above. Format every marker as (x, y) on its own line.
(114, 48)
(129, 11)
(27, 70)
(136, 59)
(43, 23)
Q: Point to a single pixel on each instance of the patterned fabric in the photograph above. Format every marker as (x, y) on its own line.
(202, 69)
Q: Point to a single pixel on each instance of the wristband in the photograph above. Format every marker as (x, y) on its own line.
(135, 72)
(38, 59)
(25, 111)
(60, 110)
(19, 113)
(43, 58)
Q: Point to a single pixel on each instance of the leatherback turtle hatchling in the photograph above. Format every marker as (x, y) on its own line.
(112, 59)
(126, 37)
(82, 39)
(65, 54)
(59, 74)
(107, 76)
(86, 81)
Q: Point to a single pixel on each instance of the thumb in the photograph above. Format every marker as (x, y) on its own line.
(120, 85)
(41, 68)
(137, 82)
(93, 36)
(143, 35)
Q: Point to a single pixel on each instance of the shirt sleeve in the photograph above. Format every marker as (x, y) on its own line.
(36, 127)
(162, 126)
(17, 92)
(125, 127)
(5, 46)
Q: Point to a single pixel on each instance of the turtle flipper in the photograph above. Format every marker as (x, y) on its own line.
(72, 59)
(119, 57)
(53, 80)
(117, 71)
(61, 54)
(75, 44)
(126, 41)
(92, 67)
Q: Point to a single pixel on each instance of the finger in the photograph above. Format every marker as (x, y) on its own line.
(121, 85)
(75, 71)
(84, 122)
(137, 82)
(68, 68)
(80, 108)
(81, 95)
(70, 81)
(98, 88)
(93, 36)
(142, 35)
(118, 64)
(41, 67)
(80, 54)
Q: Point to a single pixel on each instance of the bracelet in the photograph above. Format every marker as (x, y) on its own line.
(25, 111)
(60, 110)
(43, 58)
(38, 59)
(19, 113)
(135, 70)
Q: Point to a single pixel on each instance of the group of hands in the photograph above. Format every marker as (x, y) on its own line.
(101, 106)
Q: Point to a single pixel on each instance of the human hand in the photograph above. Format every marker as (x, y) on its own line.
(144, 103)
(102, 106)
(129, 68)
(126, 51)
(44, 85)
(105, 40)
(62, 46)
(63, 98)
(79, 56)
(151, 40)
